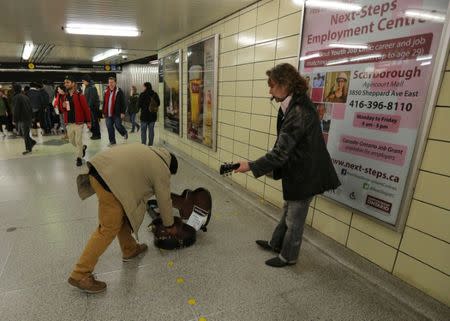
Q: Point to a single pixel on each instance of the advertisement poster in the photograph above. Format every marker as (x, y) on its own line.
(172, 92)
(202, 92)
(369, 65)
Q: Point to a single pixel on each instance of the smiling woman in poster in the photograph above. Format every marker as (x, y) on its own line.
(339, 92)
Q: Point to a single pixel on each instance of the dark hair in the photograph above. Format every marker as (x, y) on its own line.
(86, 78)
(112, 78)
(26, 88)
(17, 88)
(34, 85)
(287, 76)
(148, 86)
(173, 167)
(70, 78)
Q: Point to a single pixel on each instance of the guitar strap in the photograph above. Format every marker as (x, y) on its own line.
(168, 166)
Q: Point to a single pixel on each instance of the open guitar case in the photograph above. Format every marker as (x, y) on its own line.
(186, 234)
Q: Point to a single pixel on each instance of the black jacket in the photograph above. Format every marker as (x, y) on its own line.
(22, 112)
(300, 157)
(38, 99)
(91, 94)
(144, 103)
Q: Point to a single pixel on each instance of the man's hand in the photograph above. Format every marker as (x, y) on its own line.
(88, 125)
(172, 231)
(122, 116)
(244, 167)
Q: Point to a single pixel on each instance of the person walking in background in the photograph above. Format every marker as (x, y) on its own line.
(48, 93)
(60, 98)
(149, 114)
(4, 113)
(22, 116)
(76, 113)
(133, 108)
(38, 102)
(114, 107)
(91, 94)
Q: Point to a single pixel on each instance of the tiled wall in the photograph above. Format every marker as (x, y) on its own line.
(254, 40)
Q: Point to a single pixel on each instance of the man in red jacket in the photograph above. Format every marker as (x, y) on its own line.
(76, 113)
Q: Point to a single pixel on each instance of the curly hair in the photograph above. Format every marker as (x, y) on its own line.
(286, 75)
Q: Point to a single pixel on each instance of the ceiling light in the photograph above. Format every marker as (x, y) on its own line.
(421, 58)
(124, 56)
(101, 30)
(27, 50)
(106, 54)
(335, 5)
(154, 62)
(349, 46)
(314, 55)
(366, 57)
(337, 62)
(425, 63)
(426, 15)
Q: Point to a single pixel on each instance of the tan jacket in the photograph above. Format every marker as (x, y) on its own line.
(134, 173)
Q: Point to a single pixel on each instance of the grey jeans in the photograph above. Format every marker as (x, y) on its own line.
(288, 234)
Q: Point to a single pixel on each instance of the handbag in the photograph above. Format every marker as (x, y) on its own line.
(153, 106)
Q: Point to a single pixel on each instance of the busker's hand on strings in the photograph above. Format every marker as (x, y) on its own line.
(244, 167)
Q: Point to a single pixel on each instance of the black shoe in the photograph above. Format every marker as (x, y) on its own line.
(266, 246)
(95, 137)
(138, 127)
(277, 262)
(84, 150)
(79, 161)
(126, 136)
(26, 152)
(33, 142)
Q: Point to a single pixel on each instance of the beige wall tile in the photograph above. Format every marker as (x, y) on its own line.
(293, 61)
(274, 183)
(273, 125)
(254, 153)
(376, 230)
(259, 140)
(229, 43)
(368, 247)
(448, 63)
(444, 94)
(289, 25)
(226, 116)
(246, 55)
(228, 59)
(261, 106)
(266, 32)
(255, 186)
(231, 27)
(436, 158)
(309, 217)
(247, 20)
(268, 12)
(241, 179)
(226, 130)
(198, 155)
(423, 277)
(260, 88)
(287, 47)
(244, 105)
(273, 196)
(260, 68)
(440, 128)
(288, 7)
(226, 144)
(228, 88)
(430, 219)
(260, 123)
(243, 120)
(245, 72)
(240, 149)
(214, 163)
(426, 249)
(333, 209)
(228, 74)
(265, 51)
(225, 156)
(330, 227)
(247, 38)
(244, 88)
(242, 135)
(227, 102)
(272, 140)
(433, 189)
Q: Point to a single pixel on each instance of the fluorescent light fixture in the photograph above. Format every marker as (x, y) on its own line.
(426, 15)
(338, 62)
(101, 30)
(106, 54)
(27, 50)
(335, 5)
(348, 45)
(314, 55)
(425, 63)
(177, 60)
(421, 58)
(366, 57)
(154, 62)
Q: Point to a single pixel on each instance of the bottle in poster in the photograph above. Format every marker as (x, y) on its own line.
(195, 90)
(207, 116)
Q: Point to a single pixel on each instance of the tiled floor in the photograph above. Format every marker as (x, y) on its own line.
(223, 273)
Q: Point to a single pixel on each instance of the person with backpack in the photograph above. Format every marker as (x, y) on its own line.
(91, 94)
(148, 105)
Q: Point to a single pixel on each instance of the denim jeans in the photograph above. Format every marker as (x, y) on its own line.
(133, 121)
(112, 122)
(287, 236)
(151, 132)
(25, 129)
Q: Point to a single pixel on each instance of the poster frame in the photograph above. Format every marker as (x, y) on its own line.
(442, 54)
(180, 89)
(214, 102)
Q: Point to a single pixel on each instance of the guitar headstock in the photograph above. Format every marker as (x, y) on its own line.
(227, 168)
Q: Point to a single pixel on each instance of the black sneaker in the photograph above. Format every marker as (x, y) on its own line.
(277, 262)
(95, 137)
(84, 150)
(33, 142)
(266, 246)
(79, 161)
(26, 152)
